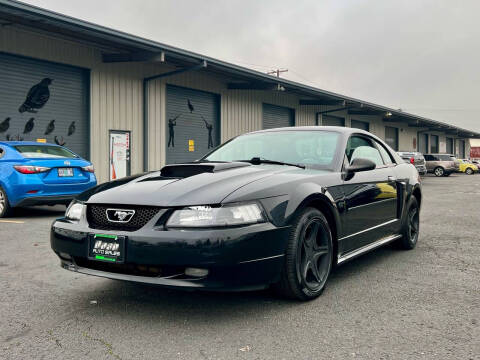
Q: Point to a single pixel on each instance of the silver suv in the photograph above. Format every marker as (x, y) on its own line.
(441, 164)
(414, 158)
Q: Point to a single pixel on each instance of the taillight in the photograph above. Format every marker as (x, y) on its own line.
(88, 168)
(28, 169)
(412, 161)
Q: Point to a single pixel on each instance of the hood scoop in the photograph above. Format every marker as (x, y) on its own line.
(192, 169)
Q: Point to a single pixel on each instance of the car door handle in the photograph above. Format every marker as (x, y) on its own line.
(391, 178)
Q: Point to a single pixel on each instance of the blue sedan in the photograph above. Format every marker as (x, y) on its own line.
(34, 173)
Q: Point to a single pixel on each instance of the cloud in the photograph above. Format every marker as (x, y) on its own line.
(419, 55)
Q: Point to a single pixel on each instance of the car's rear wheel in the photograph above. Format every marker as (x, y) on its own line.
(438, 171)
(411, 226)
(469, 171)
(308, 260)
(4, 204)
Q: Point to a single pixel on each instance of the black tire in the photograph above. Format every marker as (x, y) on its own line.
(5, 208)
(308, 259)
(411, 226)
(469, 171)
(439, 171)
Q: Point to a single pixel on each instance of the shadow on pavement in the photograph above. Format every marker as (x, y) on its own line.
(138, 302)
(37, 212)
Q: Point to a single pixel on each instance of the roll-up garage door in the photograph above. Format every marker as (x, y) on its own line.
(332, 121)
(192, 125)
(357, 124)
(44, 101)
(277, 116)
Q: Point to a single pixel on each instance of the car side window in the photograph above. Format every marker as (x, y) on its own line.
(387, 158)
(361, 147)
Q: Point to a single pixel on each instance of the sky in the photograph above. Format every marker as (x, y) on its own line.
(421, 56)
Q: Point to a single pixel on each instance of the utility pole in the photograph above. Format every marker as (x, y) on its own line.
(277, 72)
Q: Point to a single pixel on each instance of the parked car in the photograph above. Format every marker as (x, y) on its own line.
(440, 164)
(476, 163)
(456, 161)
(416, 159)
(34, 173)
(467, 167)
(276, 207)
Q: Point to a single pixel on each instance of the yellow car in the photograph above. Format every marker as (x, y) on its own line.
(467, 167)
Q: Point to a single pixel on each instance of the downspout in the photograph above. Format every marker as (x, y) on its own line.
(146, 82)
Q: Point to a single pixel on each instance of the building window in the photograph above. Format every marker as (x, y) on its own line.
(449, 142)
(332, 121)
(357, 124)
(434, 144)
(391, 137)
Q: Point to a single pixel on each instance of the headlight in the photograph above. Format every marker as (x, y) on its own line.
(74, 211)
(207, 216)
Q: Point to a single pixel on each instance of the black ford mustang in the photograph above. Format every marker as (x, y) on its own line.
(277, 208)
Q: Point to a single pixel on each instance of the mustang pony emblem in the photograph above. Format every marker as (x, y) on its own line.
(120, 215)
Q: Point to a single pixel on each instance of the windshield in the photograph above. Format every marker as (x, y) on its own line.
(44, 151)
(296, 147)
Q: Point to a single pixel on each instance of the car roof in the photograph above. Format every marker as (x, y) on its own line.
(15, 143)
(340, 129)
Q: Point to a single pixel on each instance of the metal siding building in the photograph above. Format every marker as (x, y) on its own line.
(234, 100)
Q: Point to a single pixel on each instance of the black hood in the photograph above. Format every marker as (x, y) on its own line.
(183, 185)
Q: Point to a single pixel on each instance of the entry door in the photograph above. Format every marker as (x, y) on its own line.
(370, 198)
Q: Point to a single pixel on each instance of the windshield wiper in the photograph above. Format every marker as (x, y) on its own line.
(258, 161)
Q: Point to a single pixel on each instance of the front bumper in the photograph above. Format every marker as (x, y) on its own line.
(241, 258)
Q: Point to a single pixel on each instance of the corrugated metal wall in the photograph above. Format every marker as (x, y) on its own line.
(116, 98)
(116, 104)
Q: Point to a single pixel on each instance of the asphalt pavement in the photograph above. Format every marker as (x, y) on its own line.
(388, 304)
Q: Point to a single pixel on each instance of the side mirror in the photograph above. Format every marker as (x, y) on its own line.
(357, 165)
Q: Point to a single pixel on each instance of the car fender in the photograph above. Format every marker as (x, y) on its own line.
(313, 193)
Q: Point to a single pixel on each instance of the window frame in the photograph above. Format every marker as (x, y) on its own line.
(374, 143)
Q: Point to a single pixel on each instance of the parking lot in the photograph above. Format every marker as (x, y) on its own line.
(389, 304)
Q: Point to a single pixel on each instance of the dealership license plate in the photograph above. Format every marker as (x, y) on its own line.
(65, 172)
(108, 248)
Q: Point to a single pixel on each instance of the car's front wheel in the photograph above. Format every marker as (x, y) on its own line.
(308, 260)
(4, 204)
(469, 171)
(439, 171)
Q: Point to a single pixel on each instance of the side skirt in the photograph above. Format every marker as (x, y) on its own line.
(367, 248)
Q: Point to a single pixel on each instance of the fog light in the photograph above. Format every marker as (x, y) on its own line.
(195, 272)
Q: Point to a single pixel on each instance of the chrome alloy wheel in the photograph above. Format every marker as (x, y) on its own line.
(3, 201)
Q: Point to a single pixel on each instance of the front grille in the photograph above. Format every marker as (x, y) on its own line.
(97, 217)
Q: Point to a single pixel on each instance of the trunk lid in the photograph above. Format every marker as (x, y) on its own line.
(74, 176)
